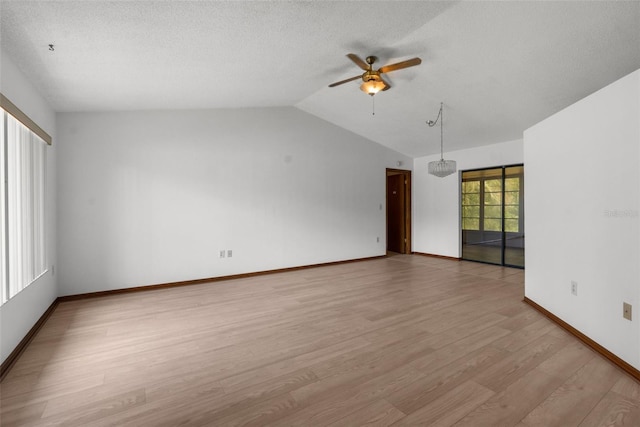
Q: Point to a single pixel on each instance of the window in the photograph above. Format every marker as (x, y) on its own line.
(512, 208)
(471, 205)
(22, 203)
(487, 204)
(492, 217)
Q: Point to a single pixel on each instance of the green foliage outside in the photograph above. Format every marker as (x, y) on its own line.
(492, 206)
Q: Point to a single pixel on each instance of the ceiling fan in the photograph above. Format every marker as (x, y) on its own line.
(372, 79)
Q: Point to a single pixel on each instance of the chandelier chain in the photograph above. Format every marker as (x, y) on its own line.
(442, 167)
(432, 123)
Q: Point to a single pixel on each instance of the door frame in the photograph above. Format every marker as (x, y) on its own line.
(407, 208)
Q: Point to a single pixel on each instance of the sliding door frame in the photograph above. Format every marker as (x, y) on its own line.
(503, 233)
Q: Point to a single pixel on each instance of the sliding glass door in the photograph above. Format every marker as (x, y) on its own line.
(492, 215)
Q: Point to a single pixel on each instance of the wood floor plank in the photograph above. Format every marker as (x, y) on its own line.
(341, 403)
(338, 374)
(256, 405)
(405, 339)
(450, 407)
(568, 359)
(514, 366)
(521, 337)
(570, 402)
(261, 414)
(23, 415)
(512, 404)
(443, 356)
(441, 381)
(472, 326)
(627, 386)
(613, 410)
(85, 414)
(379, 414)
(47, 388)
(514, 313)
(263, 373)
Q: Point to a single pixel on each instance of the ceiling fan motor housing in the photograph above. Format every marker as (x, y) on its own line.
(371, 75)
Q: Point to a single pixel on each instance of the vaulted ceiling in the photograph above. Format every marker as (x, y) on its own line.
(499, 67)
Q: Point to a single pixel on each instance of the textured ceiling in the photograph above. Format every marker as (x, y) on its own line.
(499, 67)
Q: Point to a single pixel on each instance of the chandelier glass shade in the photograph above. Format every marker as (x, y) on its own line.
(442, 167)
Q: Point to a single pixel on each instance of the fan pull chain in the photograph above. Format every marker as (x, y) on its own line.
(373, 105)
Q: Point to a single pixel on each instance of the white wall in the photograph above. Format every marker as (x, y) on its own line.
(152, 197)
(19, 314)
(581, 198)
(436, 201)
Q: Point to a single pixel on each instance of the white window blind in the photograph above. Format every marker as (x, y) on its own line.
(22, 206)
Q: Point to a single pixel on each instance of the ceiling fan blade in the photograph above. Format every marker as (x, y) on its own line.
(345, 81)
(400, 65)
(387, 86)
(359, 62)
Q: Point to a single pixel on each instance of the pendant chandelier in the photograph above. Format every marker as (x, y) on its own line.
(442, 167)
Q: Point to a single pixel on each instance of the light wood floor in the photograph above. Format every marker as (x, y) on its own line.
(404, 340)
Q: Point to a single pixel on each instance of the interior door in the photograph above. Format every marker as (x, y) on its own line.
(396, 230)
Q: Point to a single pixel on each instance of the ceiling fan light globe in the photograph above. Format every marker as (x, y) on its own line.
(372, 87)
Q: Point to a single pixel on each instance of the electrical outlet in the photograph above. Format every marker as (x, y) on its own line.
(222, 253)
(626, 310)
(574, 288)
(229, 253)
